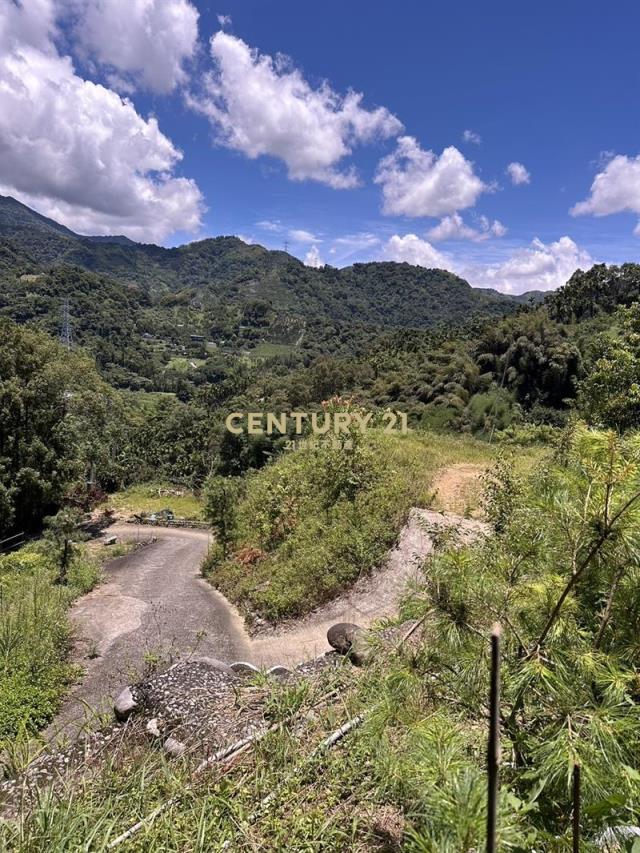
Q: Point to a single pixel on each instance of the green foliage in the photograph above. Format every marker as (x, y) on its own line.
(35, 636)
(61, 531)
(59, 425)
(221, 497)
(610, 395)
(315, 520)
(560, 576)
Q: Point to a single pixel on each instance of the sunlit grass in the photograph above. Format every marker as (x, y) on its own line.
(154, 497)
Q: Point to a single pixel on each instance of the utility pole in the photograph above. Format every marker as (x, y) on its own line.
(65, 328)
(493, 750)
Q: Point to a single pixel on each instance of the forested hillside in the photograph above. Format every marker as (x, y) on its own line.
(228, 270)
(190, 334)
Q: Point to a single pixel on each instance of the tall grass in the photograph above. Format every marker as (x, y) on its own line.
(35, 636)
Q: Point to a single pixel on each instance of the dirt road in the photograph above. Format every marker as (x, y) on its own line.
(372, 597)
(154, 605)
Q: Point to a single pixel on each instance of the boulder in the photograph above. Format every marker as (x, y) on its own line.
(342, 636)
(125, 705)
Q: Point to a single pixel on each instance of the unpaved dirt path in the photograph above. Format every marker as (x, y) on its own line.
(372, 597)
(458, 488)
(153, 603)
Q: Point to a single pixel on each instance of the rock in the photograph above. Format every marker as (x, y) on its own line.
(342, 636)
(154, 727)
(360, 650)
(279, 672)
(124, 705)
(219, 665)
(174, 747)
(241, 667)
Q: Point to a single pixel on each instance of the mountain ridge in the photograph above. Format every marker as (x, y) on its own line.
(45, 242)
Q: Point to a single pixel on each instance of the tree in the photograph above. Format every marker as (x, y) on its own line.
(610, 395)
(62, 530)
(221, 496)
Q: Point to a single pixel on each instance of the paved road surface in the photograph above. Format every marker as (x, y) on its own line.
(153, 603)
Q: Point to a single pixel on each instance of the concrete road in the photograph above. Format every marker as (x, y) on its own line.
(154, 607)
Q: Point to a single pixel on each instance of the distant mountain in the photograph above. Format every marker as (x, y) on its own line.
(227, 270)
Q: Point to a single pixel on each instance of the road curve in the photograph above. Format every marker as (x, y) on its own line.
(153, 604)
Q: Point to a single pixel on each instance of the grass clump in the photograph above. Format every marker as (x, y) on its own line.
(35, 635)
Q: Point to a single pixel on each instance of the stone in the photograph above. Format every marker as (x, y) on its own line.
(125, 705)
(342, 635)
(279, 672)
(154, 727)
(174, 747)
(241, 667)
(360, 650)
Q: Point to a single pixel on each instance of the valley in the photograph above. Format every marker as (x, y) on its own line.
(368, 572)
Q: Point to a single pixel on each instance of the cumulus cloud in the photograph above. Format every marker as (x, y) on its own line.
(419, 183)
(454, 228)
(263, 106)
(78, 152)
(146, 41)
(412, 250)
(539, 266)
(224, 21)
(472, 137)
(615, 189)
(313, 259)
(518, 174)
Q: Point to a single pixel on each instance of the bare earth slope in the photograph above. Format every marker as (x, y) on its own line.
(372, 597)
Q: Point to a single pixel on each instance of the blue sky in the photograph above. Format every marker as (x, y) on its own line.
(122, 116)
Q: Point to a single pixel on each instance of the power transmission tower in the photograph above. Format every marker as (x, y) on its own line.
(286, 246)
(65, 328)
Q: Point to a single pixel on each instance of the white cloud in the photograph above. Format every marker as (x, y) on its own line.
(313, 259)
(78, 152)
(614, 190)
(472, 137)
(539, 266)
(146, 41)
(269, 225)
(224, 21)
(518, 174)
(300, 235)
(355, 242)
(419, 183)
(454, 228)
(263, 106)
(412, 250)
